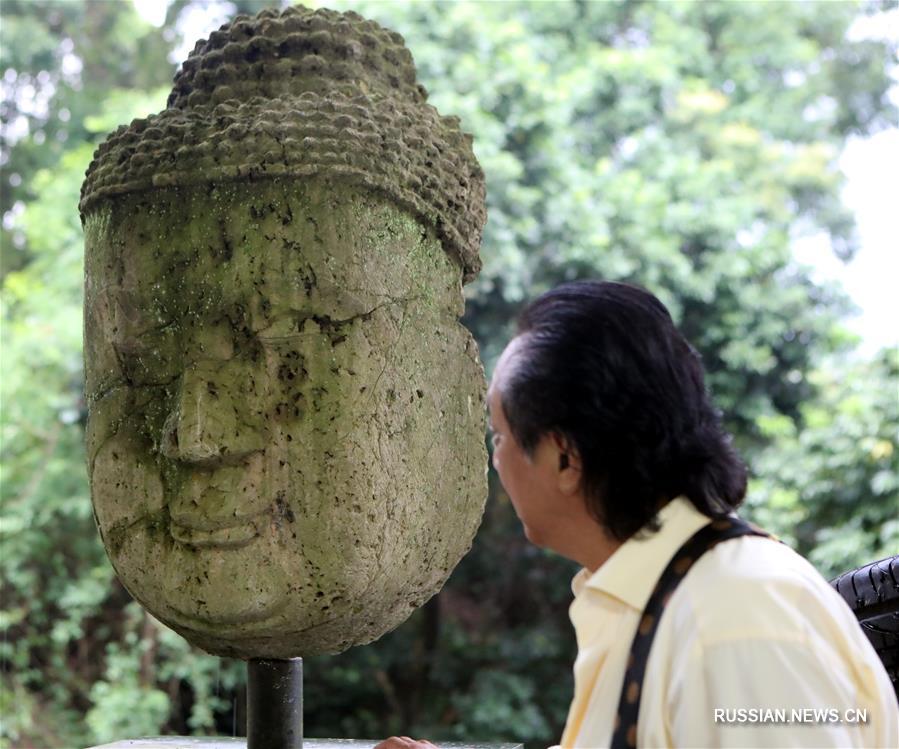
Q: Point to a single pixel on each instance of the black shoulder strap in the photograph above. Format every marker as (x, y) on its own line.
(625, 732)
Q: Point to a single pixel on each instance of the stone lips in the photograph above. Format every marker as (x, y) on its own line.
(338, 101)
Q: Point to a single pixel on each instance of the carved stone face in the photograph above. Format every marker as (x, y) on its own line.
(285, 432)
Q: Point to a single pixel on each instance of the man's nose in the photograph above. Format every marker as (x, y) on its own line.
(216, 416)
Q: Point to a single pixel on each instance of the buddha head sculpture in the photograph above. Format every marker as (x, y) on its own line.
(285, 415)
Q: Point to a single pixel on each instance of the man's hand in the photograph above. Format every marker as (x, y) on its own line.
(404, 742)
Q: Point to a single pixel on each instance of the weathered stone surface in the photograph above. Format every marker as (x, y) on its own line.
(286, 418)
(192, 742)
(301, 94)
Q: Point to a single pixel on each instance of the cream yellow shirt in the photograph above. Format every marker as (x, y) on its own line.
(751, 644)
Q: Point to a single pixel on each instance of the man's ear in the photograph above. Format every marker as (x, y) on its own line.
(569, 476)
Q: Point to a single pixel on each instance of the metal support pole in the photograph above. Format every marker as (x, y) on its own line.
(275, 704)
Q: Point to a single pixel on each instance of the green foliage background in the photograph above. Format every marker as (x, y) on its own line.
(680, 145)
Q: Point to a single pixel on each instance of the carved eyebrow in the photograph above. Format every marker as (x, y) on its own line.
(281, 328)
(142, 340)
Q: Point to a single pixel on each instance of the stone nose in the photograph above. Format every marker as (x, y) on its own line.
(217, 415)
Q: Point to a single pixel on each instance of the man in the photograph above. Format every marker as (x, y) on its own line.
(614, 456)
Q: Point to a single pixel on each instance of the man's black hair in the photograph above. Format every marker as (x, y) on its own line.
(603, 365)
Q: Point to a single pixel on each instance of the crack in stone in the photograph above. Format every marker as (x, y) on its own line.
(390, 184)
(118, 531)
(104, 441)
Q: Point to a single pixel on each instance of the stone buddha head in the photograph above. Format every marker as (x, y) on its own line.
(285, 415)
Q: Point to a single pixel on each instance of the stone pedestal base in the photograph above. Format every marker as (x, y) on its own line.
(194, 742)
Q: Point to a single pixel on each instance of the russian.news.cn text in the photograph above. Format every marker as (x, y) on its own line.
(741, 715)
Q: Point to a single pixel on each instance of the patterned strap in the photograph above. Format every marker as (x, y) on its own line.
(625, 732)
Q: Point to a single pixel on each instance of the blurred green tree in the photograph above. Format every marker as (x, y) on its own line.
(60, 62)
(830, 485)
(679, 145)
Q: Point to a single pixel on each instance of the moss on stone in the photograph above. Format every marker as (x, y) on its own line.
(285, 431)
(279, 381)
(309, 95)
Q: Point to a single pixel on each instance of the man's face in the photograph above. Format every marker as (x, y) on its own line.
(262, 402)
(530, 481)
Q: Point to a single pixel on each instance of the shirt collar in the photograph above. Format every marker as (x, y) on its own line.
(632, 571)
